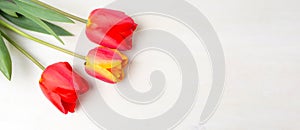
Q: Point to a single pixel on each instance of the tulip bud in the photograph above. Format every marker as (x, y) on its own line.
(110, 28)
(106, 64)
(61, 84)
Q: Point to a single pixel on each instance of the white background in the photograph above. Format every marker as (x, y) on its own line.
(261, 43)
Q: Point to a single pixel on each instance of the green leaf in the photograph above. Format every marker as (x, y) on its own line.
(42, 24)
(5, 60)
(12, 6)
(8, 6)
(41, 12)
(26, 23)
(10, 12)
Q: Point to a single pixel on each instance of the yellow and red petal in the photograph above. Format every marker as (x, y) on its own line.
(101, 74)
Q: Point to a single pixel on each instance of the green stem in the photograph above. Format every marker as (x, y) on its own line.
(60, 11)
(30, 57)
(3, 23)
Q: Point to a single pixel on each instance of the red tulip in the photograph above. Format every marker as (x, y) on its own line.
(110, 28)
(106, 64)
(61, 84)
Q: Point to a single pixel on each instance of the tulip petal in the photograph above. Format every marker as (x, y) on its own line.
(54, 99)
(101, 73)
(70, 107)
(110, 28)
(124, 58)
(106, 64)
(104, 57)
(103, 53)
(60, 84)
(81, 85)
(54, 72)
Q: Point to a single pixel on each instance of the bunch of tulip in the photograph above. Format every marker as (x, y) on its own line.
(111, 29)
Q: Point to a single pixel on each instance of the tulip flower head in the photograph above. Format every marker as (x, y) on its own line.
(106, 64)
(111, 28)
(61, 84)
